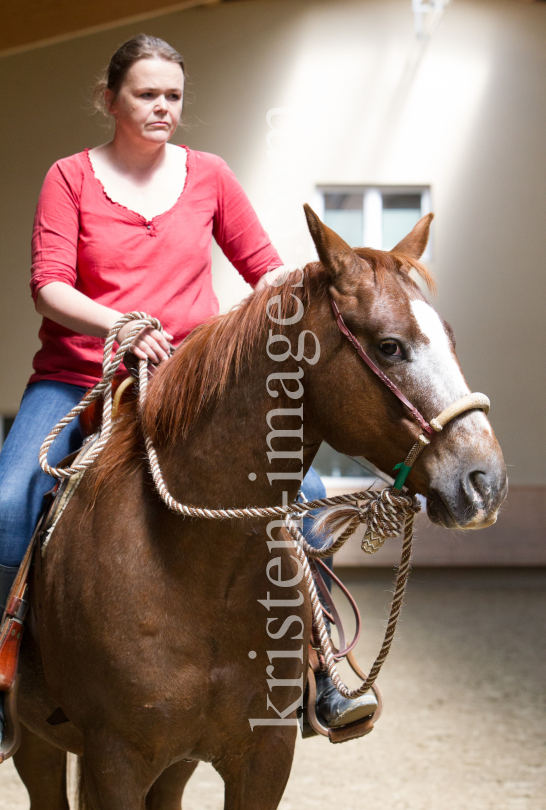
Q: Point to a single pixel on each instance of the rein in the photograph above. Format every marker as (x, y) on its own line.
(384, 513)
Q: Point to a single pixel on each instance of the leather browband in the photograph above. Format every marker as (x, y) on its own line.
(383, 377)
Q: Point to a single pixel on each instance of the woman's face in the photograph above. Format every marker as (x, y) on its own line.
(149, 103)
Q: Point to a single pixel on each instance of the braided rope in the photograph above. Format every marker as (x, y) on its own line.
(420, 444)
(383, 512)
(268, 511)
(102, 388)
(325, 643)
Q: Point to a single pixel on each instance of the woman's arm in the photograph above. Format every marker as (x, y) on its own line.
(237, 229)
(69, 307)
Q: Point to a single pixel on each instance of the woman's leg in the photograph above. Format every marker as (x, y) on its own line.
(313, 488)
(23, 483)
(334, 709)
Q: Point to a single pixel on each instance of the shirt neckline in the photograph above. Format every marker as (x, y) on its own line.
(135, 215)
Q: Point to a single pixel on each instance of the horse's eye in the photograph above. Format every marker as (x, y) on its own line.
(391, 347)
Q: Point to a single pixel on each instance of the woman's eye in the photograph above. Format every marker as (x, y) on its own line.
(390, 348)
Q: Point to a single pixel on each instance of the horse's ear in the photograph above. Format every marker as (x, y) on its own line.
(414, 244)
(337, 257)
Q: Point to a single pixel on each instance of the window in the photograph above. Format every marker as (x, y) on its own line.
(374, 217)
(365, 216)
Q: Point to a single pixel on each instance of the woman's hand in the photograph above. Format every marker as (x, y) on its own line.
(148, 344)
(273, 277)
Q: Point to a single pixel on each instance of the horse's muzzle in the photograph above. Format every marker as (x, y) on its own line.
(472, 502)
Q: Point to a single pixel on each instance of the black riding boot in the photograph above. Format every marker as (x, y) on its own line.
(7, 576)
(336, 710)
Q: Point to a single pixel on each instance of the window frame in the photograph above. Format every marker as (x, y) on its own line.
(372, 231)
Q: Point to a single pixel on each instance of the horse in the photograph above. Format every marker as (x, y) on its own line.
(167, 640)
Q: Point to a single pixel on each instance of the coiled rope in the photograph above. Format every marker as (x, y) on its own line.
(384, 513)
(103, 388)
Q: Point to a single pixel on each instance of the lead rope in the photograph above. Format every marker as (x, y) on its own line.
(384, 513)
(326, 647)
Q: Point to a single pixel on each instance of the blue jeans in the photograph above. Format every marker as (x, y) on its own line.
(313, 488)
(23, 483)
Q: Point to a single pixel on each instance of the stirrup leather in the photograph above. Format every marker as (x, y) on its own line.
(11, 633)
(11, 629)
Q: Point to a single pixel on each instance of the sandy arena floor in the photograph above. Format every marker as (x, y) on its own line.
(464, 726)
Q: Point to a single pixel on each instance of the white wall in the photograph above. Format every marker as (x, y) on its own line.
(464, 113)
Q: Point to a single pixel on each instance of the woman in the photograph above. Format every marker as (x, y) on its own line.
(120, 227)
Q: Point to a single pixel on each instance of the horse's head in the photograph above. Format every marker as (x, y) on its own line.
(462, 472)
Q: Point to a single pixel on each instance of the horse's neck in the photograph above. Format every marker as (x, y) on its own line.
(231, 457)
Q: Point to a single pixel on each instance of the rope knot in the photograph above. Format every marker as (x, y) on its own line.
(387, 515)
(384, 514)
(363, 515)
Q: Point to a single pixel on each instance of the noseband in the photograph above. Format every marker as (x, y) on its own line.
(466, 403)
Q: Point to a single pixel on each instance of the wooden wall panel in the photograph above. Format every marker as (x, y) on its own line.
(27, 22)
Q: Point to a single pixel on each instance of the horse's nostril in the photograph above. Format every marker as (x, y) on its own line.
(478, 485)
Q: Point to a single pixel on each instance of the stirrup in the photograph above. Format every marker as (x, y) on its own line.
(12, 726)
(311, 725)
(11, 633)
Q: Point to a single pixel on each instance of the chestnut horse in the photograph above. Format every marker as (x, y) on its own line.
(168, 640)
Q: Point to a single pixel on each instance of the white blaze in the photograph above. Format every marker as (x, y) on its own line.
(434, 361)
(436, 367)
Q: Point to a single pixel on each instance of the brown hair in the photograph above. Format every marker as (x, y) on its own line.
(138, 47)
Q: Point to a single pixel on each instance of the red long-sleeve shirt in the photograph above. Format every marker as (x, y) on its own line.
(119, 259)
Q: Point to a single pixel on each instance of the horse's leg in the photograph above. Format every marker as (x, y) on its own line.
(115, 776)
(166, 792)
(256, 781)
(42, 767)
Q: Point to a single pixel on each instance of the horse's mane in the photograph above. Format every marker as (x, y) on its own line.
(215, 354)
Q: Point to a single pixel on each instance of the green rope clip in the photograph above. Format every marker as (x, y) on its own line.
(403, 472)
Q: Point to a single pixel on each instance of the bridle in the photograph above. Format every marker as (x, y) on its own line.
(466, 403)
